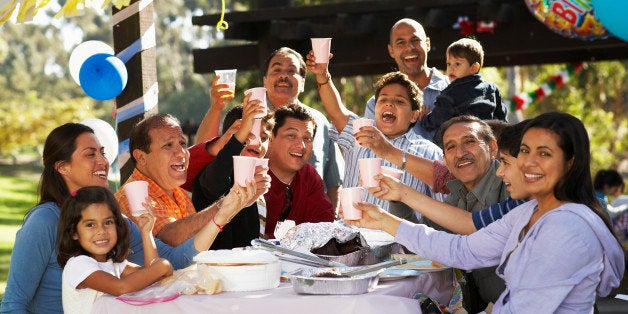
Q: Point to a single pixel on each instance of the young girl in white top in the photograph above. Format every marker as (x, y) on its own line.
(93, 243)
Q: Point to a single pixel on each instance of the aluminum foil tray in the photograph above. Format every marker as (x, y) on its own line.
(304, 282)
(366, 256)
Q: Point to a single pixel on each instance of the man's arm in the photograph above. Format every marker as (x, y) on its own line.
(208, 128)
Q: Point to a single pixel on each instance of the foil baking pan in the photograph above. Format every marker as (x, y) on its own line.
(304, 282)
(366, 256)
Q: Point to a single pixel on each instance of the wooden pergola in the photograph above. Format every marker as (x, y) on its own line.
(360, 32)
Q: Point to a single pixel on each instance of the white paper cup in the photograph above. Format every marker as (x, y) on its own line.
(321, 48)
(243, 169)
(136, 193)
(348, 196)
(369, 168)
(258, 93)
(227, 77)
(395, 173)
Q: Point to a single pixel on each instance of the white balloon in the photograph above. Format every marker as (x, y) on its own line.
(106, 136)
(82, 52)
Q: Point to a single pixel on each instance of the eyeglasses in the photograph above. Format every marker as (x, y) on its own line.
(288, 206)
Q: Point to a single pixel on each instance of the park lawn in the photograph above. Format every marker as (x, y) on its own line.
(19, 194)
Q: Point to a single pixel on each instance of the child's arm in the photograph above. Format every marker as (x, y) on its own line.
(132, 278)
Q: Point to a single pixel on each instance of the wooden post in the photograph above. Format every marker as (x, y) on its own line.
(141, 68)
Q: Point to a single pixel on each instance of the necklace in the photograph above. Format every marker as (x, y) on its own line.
(282, 181)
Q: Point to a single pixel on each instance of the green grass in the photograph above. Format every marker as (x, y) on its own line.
(19, 194)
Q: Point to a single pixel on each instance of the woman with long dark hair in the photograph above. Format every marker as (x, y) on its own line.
(556, 252)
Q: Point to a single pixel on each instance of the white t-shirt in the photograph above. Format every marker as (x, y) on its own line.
(75, 271)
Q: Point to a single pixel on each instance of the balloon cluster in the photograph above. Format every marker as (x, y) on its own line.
(583, 19)
(97, 70)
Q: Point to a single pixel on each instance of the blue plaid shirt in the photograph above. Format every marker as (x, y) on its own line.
(410, 142)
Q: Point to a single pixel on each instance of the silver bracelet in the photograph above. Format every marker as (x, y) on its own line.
(403, 160)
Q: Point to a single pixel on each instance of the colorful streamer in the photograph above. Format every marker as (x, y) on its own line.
(27, 9)
(523, 100)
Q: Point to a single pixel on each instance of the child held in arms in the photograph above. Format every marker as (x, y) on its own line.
(467, 93)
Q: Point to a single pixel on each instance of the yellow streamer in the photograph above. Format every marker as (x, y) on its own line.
(71, 8)
(222, 24)
(7, 10)
(28, 9)
(119, 4)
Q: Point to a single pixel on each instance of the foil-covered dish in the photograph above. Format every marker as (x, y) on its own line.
(325, 281)
(338, 242)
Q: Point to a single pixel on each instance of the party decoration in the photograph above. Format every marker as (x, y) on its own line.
(464, 25)
(29, 8)
(103, 76)
(569, 18)
(612, 14)
(82, 52)
(106, 136)
(524, 100)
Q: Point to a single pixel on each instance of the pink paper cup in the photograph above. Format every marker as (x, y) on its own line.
(369, 168)
(258, 93)
(358, 123)
(321, 48)
(348, 196)
(395, 173)
(255, 130)
(261, 162)
(136, 192)
(243, 169)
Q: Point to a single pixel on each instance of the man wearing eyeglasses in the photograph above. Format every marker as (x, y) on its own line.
(296, 192)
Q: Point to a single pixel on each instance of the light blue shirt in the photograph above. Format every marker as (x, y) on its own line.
(34, 282)
(437, 83)
(556, 267)
(410, 142)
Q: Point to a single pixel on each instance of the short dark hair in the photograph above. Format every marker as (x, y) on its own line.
(294, 111)
(139, 137)
(607, 177)
(286, 51)
(509, 138)
(414, 92)
(485, 132)
(469, 49)
(59, 146)
(71, 213)
(235, 113)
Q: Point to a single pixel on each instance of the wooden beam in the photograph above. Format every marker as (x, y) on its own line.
(360, 33)
(141, 68)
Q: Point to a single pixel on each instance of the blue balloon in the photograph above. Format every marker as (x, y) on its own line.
(103, 76)
(612, 14)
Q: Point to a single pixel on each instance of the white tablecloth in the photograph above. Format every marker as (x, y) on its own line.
(388, 297)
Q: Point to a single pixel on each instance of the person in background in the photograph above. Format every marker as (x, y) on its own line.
(467, 93)
(296, 192)
(160, 156)
(608, 182)
(409, 46)
(73, 158)
(534, 244)
(93, 243)
(214, 180)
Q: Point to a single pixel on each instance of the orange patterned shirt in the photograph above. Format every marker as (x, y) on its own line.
(166, 210)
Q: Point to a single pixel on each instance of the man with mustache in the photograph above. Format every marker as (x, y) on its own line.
(284, 80)
(470, 151)
(409, 46)
(161, 157)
